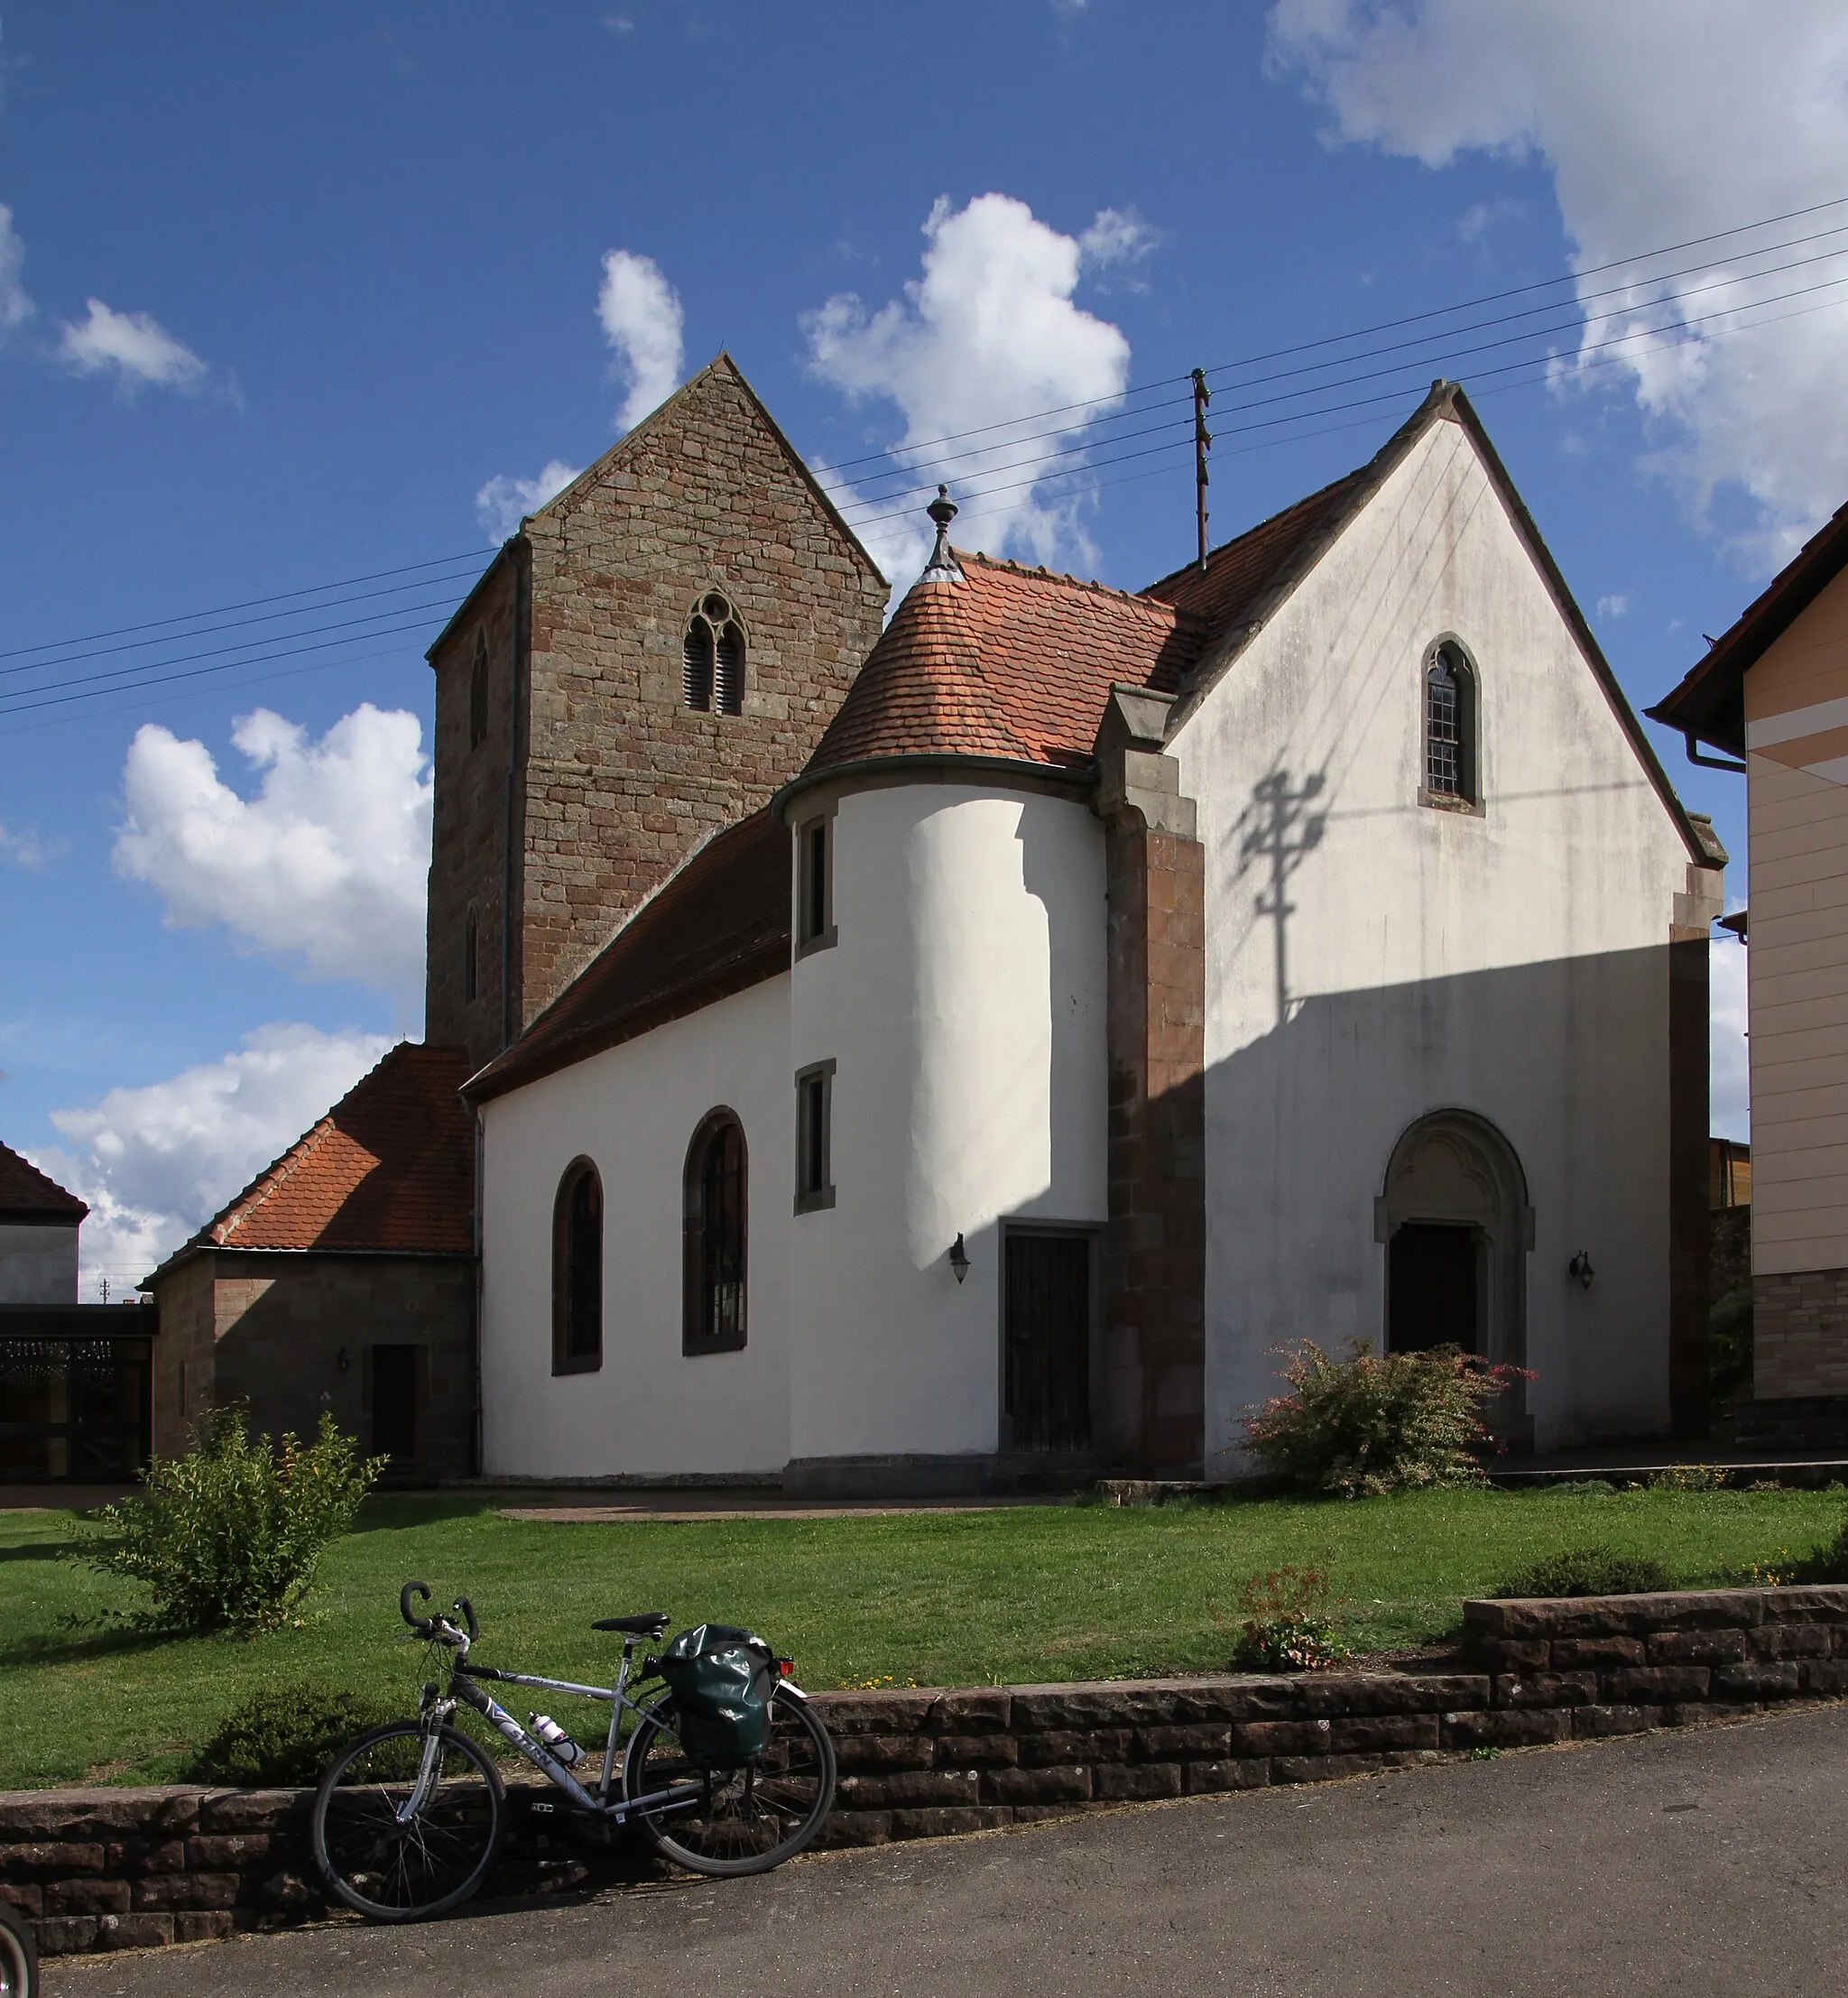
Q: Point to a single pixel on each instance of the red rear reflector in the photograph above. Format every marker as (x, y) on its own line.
(785, 1667)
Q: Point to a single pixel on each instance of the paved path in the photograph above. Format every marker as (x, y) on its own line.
(1709, 1861)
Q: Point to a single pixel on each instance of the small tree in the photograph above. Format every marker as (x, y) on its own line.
(228, 1536)
(1368, 1424)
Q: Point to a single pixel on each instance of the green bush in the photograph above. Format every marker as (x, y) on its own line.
(228, 1536)
(1827, 1563)
(285, 1735)
(1589, 1571)
(1367, 1425)
(1289, 1626)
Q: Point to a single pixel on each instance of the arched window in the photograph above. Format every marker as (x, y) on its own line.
(1450, 728)
(577, 1271)
(715, 1237)
(712, 658)
(471, 950)
(477, 693)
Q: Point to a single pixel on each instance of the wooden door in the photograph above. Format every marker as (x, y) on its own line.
(395, 1401)
(1433, 1289)
(1049, 1341)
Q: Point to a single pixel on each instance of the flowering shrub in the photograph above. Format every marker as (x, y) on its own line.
(1689, 1477)
(1288, 1624)
(1365, 1425)
(229, 1535)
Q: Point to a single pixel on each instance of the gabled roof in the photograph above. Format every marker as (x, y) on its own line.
(718, 926)
(1709, 704)
(1291, 543)
(1239, 571)
(1009, 664)
(31, 1197)
(389, 1169)
(721, 366)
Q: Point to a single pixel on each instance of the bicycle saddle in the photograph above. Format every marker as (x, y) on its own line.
(652, 1623)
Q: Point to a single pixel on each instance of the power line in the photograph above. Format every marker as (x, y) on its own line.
(1383, 326)
(249, 603)
(940, 467)
(1676, 334)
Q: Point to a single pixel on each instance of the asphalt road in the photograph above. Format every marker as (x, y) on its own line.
(1710, 1862)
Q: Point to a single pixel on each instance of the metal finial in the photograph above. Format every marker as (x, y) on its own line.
(943, 510)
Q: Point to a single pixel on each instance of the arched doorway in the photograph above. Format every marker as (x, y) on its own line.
(1457, 1225)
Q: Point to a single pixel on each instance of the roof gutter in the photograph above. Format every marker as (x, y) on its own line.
(942, 766)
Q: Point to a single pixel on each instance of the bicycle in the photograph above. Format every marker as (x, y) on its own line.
(408, 1819)
(19, 1956)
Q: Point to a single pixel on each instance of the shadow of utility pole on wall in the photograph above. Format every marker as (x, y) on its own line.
(1276, 832)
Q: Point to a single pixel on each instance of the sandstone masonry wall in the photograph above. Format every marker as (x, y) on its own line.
(108, 1869)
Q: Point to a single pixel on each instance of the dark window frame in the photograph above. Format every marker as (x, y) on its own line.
(477, 693)
(1450, 747)
(572, 1353)
(815, 925)
(815, 1137)
(715, 1248)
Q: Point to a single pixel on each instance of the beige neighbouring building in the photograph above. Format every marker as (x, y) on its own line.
(1773, 690)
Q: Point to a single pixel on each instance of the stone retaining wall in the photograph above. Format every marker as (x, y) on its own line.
(102, 1869)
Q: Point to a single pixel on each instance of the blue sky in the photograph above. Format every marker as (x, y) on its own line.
(348, 265)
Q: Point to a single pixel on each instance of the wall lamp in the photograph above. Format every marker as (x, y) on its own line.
(1581, 1267)
(342, 1360)
(959, 1259)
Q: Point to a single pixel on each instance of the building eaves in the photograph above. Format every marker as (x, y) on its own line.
(1708, 704)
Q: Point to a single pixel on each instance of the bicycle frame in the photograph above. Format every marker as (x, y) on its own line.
(609, 1800)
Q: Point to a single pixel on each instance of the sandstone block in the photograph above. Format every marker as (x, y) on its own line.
(1117, 1781)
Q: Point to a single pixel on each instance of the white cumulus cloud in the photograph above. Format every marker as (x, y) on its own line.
(988, 331)
(641, 320)
(23, 847)
(156, 1162)
(1660, 121)
(15, 305)
(138, 348)
(324, 867)
(504, 502)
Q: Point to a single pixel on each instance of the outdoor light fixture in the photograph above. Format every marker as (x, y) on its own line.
(341, 1360)
(1581, 1267)
(959, 1259)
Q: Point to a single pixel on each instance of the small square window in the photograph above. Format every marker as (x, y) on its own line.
(815, 927)
(813, 1138)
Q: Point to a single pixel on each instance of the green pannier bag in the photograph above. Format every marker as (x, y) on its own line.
(722, 1680)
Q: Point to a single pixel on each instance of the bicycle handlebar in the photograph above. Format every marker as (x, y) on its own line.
(467, 1610)
(404, 1595)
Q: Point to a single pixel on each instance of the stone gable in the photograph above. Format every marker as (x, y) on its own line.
(616, 780)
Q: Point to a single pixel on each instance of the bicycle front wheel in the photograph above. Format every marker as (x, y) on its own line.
(394, 1867)
(19, 1957)
(741, 1820)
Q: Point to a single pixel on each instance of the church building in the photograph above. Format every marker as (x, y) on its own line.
(974, 1065)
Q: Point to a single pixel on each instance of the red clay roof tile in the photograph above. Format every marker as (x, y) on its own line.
(391, 1167)
(719, 925)
(26, 1194)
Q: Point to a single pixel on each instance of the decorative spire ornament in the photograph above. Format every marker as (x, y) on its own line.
(942, 565)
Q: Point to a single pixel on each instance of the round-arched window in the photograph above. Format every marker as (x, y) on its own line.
(577, 1271)
(715, 1237)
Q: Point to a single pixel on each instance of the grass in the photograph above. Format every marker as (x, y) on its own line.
(973, 1598)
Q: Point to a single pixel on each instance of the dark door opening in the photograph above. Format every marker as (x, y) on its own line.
(1049, 1341)
(395, 1401)
(1432, 1289)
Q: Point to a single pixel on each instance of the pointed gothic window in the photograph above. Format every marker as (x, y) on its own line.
(714, 1238)
(712, 658)
(1450, 728)
(577, 1271)
(478, 694)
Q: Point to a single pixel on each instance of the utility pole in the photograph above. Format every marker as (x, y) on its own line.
(1203, 443)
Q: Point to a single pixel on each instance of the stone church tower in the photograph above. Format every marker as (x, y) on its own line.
(653, 653)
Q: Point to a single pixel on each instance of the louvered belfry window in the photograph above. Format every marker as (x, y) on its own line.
(1450, 719)
(712, 658)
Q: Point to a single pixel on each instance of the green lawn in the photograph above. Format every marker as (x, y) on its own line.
(938, 1599)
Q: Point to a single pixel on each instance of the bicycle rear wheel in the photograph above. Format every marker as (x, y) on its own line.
(426, 1864)
(742, 1820)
